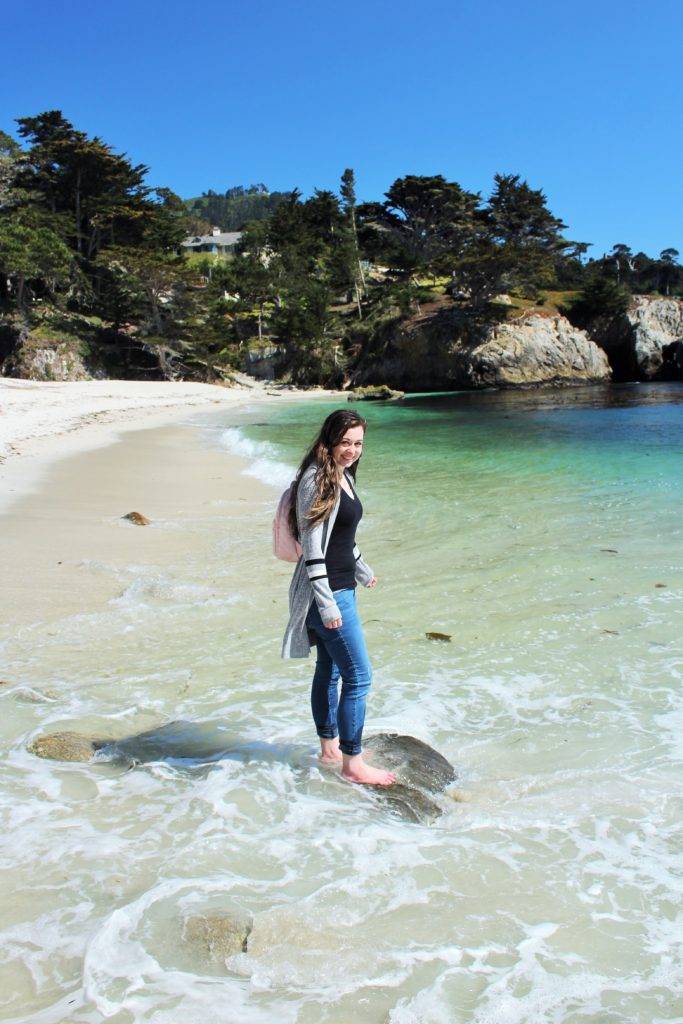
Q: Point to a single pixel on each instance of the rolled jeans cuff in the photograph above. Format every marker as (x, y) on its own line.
(350, 751)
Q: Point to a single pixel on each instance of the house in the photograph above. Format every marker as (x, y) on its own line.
(217, 242)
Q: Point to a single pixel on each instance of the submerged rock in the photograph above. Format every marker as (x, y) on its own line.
(64, 746)
(185, 744)
(422, 773)
(221, 935)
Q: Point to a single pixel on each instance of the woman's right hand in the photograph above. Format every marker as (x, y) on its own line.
(334, 624)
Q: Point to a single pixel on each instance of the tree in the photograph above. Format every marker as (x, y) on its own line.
(516, 242)
(302, 322)
(600, 297)
(423, 219)
(670, 270)
(10, 161)
(348, 194)
(622, 257)
(32, 255)
(101, 192)
(144, 285)
(250, 277)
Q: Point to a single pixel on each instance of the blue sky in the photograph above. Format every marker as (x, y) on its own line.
(581, 99)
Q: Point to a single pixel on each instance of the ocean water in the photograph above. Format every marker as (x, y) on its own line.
(542, 531)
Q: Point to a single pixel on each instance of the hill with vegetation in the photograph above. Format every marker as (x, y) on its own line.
(93, 280)
(233, 209)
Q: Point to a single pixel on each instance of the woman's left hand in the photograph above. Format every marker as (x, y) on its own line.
(372, 582)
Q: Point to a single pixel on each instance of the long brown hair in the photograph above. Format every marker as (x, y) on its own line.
(327, 474)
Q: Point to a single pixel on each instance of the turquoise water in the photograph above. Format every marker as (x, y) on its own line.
(542, 532)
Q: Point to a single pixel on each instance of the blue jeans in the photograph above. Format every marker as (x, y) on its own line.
(341, 652)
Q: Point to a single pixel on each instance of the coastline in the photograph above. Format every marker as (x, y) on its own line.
(97, 451)
(79, 416)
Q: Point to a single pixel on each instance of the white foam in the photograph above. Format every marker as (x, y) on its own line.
(264, 462)
(119, 974)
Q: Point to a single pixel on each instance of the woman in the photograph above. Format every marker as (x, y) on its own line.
(322, 595)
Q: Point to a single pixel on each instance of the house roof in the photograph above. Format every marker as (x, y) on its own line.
(223, 238)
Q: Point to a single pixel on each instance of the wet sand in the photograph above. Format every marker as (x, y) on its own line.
(74, 518)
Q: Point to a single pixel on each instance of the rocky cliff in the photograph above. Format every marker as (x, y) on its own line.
(40, 359)
(443, 348)
(647, 342)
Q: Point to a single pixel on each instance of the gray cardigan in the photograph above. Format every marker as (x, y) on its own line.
(309, 581)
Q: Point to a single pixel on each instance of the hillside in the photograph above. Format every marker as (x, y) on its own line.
(232, 209)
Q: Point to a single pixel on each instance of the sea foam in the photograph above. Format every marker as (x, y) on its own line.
(264, 463)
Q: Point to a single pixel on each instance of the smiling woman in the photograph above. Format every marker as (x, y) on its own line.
(322, 596)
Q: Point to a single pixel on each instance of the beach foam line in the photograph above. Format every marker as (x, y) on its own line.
(263, 458)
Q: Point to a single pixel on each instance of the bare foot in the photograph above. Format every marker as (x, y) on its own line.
(329, 751)
(356, 770)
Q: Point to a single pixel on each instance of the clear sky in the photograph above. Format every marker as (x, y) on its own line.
(582, 99)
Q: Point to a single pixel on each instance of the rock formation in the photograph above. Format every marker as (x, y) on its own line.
(647, 342)
(36, 358)
(537, 349)
(445, 349)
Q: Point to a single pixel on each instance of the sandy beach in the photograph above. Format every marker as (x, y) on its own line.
(67, 478)
(46, 421)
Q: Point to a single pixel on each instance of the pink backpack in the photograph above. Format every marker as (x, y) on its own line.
(285, 545)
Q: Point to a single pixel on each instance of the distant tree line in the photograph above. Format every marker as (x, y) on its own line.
(85, 240)
(232, 209)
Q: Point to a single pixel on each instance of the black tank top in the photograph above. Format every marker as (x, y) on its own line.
(339, 560)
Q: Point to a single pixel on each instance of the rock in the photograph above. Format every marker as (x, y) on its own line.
(447, 348)
(265, 362)
(378, 392)
(137, 518)
(410, 802)
(64, 746)
(243, 379)
(647, 342)
(533, 350)
(222, 934)
(434, 635)
(421, 773)
(185, 744)
(44, 359)
(673, 360)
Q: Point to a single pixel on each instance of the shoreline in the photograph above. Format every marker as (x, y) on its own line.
(43, 422)
(67, 549)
